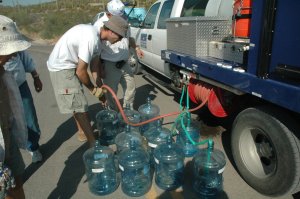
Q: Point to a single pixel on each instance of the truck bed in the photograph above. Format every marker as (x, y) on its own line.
(281, 93)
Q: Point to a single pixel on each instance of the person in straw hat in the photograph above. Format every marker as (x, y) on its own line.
(68, 66)
(13, 130)
(20, 64)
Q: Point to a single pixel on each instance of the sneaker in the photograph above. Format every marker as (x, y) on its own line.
(81, 136)
(36, 156)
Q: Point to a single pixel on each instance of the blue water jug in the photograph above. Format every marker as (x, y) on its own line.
(100, 170)
(132, 116)
(107, 124)
(155, 136)
(135, 169)
(169, 165)
(209, 165)
(147, 112)
(124, 138)
(190, 128)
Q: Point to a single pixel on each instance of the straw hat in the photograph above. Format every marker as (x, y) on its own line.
(115, 7)
(11, 40)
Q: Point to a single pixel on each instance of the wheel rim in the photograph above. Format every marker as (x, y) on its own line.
(257, 152)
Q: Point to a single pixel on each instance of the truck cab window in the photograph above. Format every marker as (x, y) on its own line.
(151, 16)
(165, 14)
(194, 8)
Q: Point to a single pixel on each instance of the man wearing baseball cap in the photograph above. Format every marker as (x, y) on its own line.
(68, 66)
(115, 59)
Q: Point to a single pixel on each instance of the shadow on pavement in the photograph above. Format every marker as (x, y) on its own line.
(74, 167)
(142, 93)
(71, 175)
(296, 195)
(64, 132)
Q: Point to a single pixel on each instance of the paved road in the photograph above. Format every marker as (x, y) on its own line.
(61, 174)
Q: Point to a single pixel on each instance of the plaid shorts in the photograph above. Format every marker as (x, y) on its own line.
(68, 91)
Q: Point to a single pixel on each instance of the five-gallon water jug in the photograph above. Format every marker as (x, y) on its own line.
(148, 111)
(135, 169)
(132, 116)
(100, 169)
(155, 136)
(189, 129)
(124, 138)
(209, 165)
(107, 124)
(169, 165)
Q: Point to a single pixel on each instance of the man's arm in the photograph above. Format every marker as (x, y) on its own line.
(29, 67)
(133, 45)
(83, 76)
(97, 70)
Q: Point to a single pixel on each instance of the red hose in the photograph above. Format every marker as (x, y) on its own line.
(200, 91)
(152, 119)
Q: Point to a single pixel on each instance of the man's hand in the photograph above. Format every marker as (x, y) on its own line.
(38, 85)
(139, 52)
(103, 101)
(98, 92)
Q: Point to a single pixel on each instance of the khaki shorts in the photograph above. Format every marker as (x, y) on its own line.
(68, 91)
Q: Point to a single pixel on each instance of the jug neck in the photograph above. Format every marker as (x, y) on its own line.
(169, 140)
(127, 128)
(132, 144)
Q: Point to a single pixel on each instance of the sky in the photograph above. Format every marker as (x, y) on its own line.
(22, 2)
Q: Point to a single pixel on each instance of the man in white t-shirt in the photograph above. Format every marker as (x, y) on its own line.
(115, 59)
(68, 67)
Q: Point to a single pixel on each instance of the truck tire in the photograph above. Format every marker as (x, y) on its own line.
(266, 150)
(135, 65)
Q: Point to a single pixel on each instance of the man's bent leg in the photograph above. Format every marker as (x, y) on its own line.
(129, 89)
(84, 122)
(80, 133)
(128, 84)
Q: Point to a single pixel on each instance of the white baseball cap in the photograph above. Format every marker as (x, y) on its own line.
(11, 40)
(115, 7)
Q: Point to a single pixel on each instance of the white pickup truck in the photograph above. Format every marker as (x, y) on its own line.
(151, 36)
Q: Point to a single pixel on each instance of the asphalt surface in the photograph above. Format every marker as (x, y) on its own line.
(61, 174)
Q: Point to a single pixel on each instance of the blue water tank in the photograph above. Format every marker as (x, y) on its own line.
(108, 126)
(124, 138)
(186, 128)
(135, 169)
(100, 170)
(155, 136)
(148, 111)
(169, 165)
(209, 165)
(133, 116)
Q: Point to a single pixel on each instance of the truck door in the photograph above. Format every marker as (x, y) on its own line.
(146, 33)
(159, 38)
